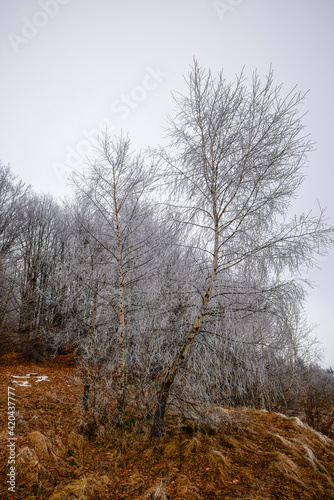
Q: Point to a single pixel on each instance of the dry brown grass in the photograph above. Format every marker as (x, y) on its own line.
(75, 441)
(157, 491)
(171, 449)
(89, 488)
(30, 471)
(192, 445)
(219, 465)
(42, 446)
(240, 454)
(136, 481)
(185, 489)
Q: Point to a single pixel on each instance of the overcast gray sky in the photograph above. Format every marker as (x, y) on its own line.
(71, 67)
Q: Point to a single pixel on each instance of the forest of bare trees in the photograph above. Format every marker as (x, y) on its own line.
(174, 274)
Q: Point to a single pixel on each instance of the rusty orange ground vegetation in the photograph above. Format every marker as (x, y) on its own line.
(252, 455)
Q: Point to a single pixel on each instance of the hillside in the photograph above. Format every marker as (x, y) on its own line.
(251, 454)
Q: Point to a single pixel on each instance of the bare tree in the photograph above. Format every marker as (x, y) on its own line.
(233, 167)
(116, 188)
(13, 199)
(36, 252)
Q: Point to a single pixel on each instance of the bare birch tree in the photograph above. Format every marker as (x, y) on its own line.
(233, 167)
(116, 186)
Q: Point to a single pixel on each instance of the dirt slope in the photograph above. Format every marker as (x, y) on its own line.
(254, 455)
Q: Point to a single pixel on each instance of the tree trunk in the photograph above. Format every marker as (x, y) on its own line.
(122, 365)
(159, 415)
(85, 397)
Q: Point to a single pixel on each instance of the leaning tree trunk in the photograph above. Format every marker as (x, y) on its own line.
(159, 415)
